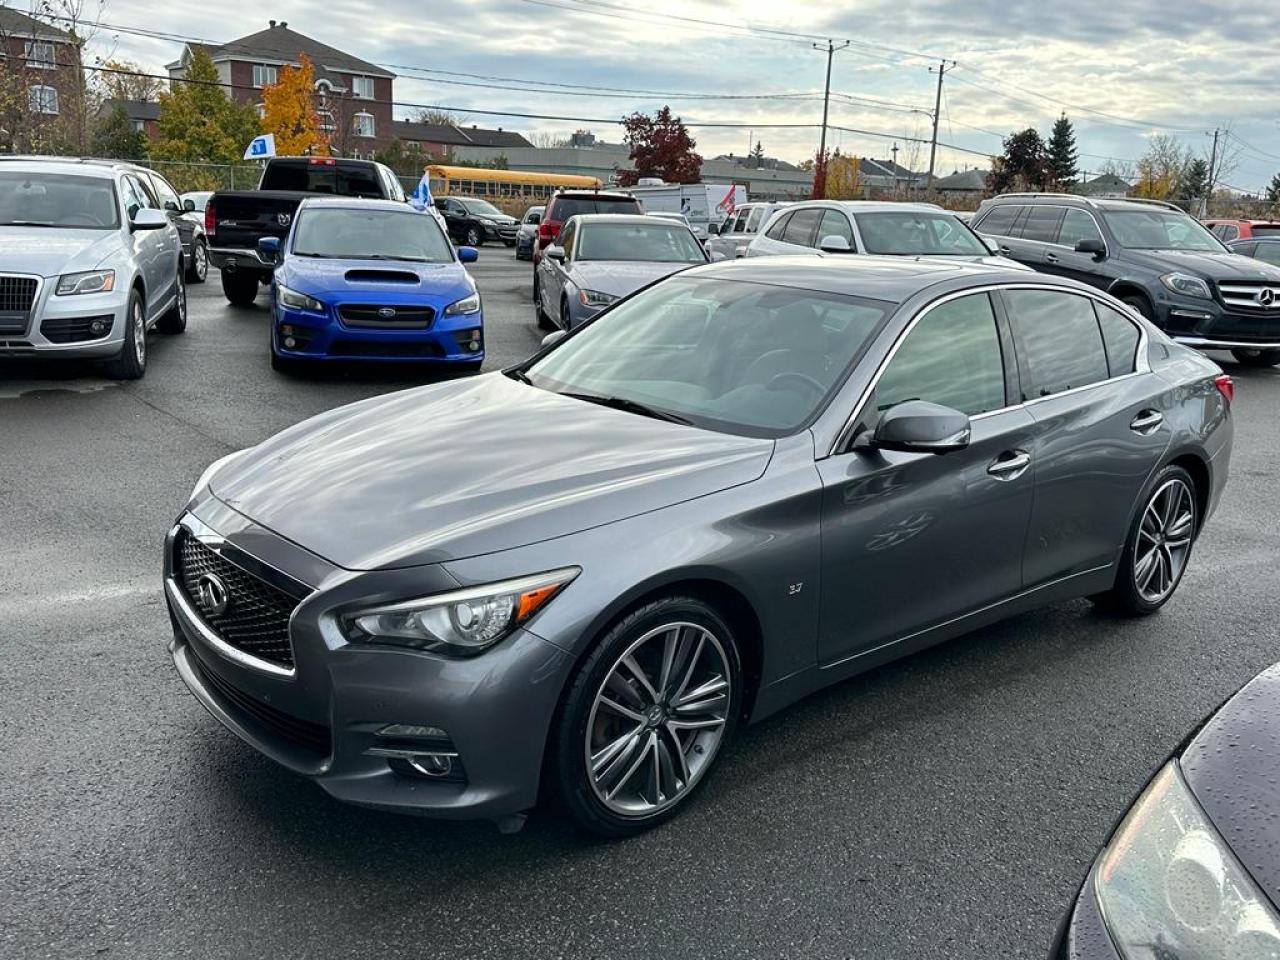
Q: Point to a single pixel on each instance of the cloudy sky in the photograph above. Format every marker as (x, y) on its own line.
(1123, 70)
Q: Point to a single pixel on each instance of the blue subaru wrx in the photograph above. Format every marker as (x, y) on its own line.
(371, 280)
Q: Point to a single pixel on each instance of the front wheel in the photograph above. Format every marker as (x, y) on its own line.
(1140, 304)
(1251, 357)
(240, 287)
(474, 237)
(175, 320)
(199, 269)
(646, 716)
(1158, 546)
(131, 362)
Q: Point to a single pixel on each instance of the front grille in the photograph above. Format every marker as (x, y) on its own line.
(310, 736)
(390, 317)
(1251, 296)
(256, 618)
(15, 348)
(361, 348)
(17, 294)
(75, 329)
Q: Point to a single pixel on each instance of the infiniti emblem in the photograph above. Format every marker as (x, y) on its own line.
(1267, 297)
(283, 219)
(213, 594)
(386, 313)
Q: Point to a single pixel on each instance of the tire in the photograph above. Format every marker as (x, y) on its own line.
(1149, 535)
(175, 320)
(473, 237)
(1139, 303)
(198, 272)
(240, 287)
(1256, 358)
(621, 797)
(469, 366)
(508, 243)
(544, 322)
(281, 364)
(131, 362)
(564, 315)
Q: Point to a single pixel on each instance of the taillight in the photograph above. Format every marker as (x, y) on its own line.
(1226, 386)
(547, 230)
(210, 224)
(322, 161)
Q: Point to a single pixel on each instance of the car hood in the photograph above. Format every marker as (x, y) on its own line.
(621, 277)
(472, 466)
(50, 251)
(393, 279)
(1215, 266)
(1233, 766)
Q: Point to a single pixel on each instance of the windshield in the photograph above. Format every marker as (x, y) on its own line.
(739, 357)
(650, 242)
(533, 215)
(1160, 230)
(1266, 229)
(481, 208)
(198, 200)
(343, 233)
(913, 233)
(58, 200)
(1268, 253)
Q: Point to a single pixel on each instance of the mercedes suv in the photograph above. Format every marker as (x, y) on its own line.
(1154, 257)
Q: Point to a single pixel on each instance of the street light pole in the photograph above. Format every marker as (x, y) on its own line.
(937, 110)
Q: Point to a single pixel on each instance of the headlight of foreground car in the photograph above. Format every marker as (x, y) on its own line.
(213, 468)
(92, 281)
(299, 301)
(460, 623)
(1169, 886)
(466, 305)
(1187, 285)
(594, 298)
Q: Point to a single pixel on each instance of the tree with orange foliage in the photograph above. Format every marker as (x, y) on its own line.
(289, 111)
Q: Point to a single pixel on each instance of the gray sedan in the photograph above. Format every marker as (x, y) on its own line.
(744, 483)
(601, 257)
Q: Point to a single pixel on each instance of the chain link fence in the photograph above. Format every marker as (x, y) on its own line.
(187, 177)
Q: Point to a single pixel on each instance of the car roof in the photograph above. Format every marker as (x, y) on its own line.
(594, 194)
(1253, 222)
(613, 218)
(892, 279)
(870, 206)
(67, 165)
(356, 203)
(1073, 199)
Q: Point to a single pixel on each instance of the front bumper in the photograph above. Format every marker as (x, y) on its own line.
(448, 339)
(62, 327)
(504, 232)
(1209, 325)
(322, 720)
(1083, 935)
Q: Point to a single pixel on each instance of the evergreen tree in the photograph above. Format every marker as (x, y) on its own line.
(1273, 189)
(114, 138)
(757, 155)
(1061, 151)
(1194, 182)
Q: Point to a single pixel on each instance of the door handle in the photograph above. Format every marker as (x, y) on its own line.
(1050, 258)
(1147, 422)
(1009, 465)
(1005, 250)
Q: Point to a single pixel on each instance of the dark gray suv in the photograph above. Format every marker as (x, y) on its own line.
(1155, 258)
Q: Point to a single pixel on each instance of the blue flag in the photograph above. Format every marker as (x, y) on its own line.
(261, 147)
(421, 196)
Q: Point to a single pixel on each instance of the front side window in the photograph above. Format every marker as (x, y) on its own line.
(740, 222)
(362, 125)
(917, 233)
(1076, 226)
(758, 215)
(42, 99)
(654, 243)
(1058, 341)
(39, 54)
(350, 233)
(165, 193)
(567, 236)
(952, 356)
(778, 227)
(1120, 336)
(480, 208)
(533, 215)
(739, 357)
(801, 226)
(56, 200)
(1160, 229)
(263, 75)
(999, 221)
(362, 88)
(135, 198)
(835, 224)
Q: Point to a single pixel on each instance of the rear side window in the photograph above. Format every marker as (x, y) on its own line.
(1227, 231)
(999, 220)
(801, 226)
(1269, 253)
(1265, 229)
(835, 224)
(1042, 224)
(1076, 226)
(1058, 341)
(779, 227)
(952, 357)
(1120, 337)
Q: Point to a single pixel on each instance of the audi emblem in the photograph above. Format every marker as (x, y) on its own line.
(213, 594)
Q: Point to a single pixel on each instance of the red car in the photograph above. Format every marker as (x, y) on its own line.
(568, 203)
(1228, 230)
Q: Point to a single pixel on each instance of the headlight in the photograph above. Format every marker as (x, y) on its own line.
(92, 281)
(213, 468)
(1169, 886)
(489, 223)
(594, 298)
(1187, 285)
(299, 301)
(469, 304)
(461, 623)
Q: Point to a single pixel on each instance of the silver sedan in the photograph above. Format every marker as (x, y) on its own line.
(601, 257)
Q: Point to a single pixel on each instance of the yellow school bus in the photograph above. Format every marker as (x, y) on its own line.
(483, 182)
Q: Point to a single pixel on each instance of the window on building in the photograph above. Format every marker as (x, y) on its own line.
(263, 75)
(44, 100)
(362, 88)
(39, 55)
(362, 125)
(262, 111)
(139, 125)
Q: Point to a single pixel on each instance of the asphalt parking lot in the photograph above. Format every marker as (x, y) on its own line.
(943, 806)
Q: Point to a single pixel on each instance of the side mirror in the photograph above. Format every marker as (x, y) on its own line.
(171, 206)
(917, 426)
(713, 229)
(468, 254)
(992, 245)
(269, 249)
(555, 336)
(718, 255)
(149, 218)
(554, 252)
(188, 205)
(1091, 245)
(834, 243)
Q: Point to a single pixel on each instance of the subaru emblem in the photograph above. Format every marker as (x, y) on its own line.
(213, 594)
(386, 313)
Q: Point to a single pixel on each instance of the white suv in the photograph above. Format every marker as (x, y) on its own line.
(88, 263)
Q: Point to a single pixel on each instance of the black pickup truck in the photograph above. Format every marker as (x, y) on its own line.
(235, 220)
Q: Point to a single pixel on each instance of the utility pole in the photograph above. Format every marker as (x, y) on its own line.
(1213, 160)
(819, 169)
(937, 111)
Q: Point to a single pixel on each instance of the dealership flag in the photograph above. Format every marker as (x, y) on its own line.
(261, 147)
(421, 196)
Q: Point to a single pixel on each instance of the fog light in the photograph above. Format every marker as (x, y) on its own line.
(432, 764)
(474, 345)
(290, 343)
(97, 328)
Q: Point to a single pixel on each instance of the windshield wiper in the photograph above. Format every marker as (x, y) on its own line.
(28, 223)
(630, 406)
(518, 374)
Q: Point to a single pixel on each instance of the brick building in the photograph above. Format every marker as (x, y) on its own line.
(41, 83)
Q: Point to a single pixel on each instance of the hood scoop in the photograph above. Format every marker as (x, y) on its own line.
(381, 276)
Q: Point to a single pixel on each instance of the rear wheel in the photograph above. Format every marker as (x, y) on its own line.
(1251, 357)
(646, 715)
(1158, 548)
(199, 269)
(240, 287)
(131, 362)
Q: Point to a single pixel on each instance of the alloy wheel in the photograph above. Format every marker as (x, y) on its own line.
(139, 333)
(1164, 540)
(658, 719)
(202, 262)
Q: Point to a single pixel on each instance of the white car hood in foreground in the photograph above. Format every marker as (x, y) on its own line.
(50, 251)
